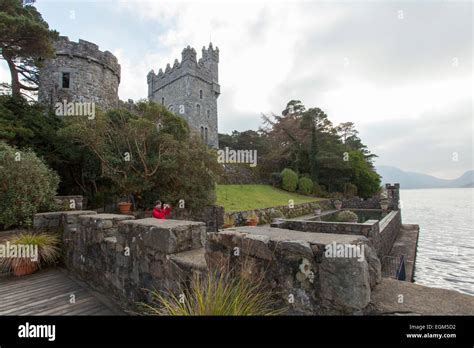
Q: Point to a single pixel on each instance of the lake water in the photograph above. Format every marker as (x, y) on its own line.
(445, 256)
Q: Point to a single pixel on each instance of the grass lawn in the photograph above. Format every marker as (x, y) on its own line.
(247, 197)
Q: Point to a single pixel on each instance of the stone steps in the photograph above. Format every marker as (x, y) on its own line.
(191, 260)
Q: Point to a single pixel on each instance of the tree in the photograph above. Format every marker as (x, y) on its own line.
(294, 107)
(149, 153)
(363, 175)
(346, 130)
(25, 40)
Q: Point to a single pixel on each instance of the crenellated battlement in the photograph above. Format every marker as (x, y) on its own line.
(88, 51)
(189, 65)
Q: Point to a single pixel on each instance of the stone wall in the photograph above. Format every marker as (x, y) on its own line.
(121, 256)
(389, 228)
(294, 267)
(268, 215)
(382, 234)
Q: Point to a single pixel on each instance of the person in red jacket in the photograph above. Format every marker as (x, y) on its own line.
(160, 211)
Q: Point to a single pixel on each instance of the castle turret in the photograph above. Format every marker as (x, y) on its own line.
(210, 59)
(79, 72)
(190, 89)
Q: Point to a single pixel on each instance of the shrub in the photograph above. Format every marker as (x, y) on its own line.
(276, 179)
(305, 186)
(215, 293)
(289, 180)
(27, 186)
(346, 216)
(48, 250)
(350, 190)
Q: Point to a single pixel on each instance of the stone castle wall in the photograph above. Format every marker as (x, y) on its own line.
(190, 89)
(94, 75)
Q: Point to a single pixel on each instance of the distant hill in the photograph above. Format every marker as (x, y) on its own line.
(412, 180)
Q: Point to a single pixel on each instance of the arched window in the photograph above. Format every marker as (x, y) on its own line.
(206, 135)
(162, 100)
(202, 133)
(200, 94)
(198, 110)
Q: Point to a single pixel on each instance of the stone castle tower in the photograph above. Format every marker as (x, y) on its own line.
(190, 89)
(80, 73)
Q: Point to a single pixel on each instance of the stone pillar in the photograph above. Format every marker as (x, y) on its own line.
(393, 195)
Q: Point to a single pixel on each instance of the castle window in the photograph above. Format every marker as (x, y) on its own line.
(206, 135)
(198, 109)
(200, 94)
(208, 113)
(66, 79)
(202, 133)
(162, 100)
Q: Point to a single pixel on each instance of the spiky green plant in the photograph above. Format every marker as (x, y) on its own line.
(214, 293)
(48, 250)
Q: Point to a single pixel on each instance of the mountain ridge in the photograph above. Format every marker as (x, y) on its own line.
(413, 180)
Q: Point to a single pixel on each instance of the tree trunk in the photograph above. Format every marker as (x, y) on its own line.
(16, 92)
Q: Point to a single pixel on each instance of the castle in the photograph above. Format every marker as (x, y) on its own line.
(190, 89)
(81, 72)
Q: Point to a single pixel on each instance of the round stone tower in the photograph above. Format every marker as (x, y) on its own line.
(80, 73)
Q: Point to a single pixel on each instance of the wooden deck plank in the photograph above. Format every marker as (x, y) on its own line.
(47, 292)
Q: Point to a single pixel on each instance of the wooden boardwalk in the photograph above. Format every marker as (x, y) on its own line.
(49, 292)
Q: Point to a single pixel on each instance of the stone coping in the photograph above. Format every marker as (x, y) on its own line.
(282, 234)
(163, 223)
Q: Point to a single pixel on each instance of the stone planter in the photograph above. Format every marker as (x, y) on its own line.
(317, 212)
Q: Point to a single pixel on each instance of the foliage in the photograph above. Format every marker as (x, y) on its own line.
(25, 40)
(215, 293)
(363, 175)
(289, 180)
(48, 250)
(350, 190)
(276, 179)
(29, 125)
(346, 216)
(305, 186)
(319, 190)
(27, 186)
(149, 153)
(229, 220)
(249, 197)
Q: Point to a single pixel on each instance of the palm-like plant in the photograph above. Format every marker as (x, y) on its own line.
(215, 293)
(47, 248)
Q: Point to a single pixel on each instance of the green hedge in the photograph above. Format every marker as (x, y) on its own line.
(27, 186)
(305, 186)
(289, 180)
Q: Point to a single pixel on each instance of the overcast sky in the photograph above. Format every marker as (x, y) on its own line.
(401, 71)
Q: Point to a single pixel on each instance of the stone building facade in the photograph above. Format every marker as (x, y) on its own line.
(79, 72)
(190, 89)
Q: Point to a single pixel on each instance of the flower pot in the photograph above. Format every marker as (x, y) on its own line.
(228, 225)
(338, 206)
(252, 222)
(384, 206)
(24, 267)
(124, 207)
